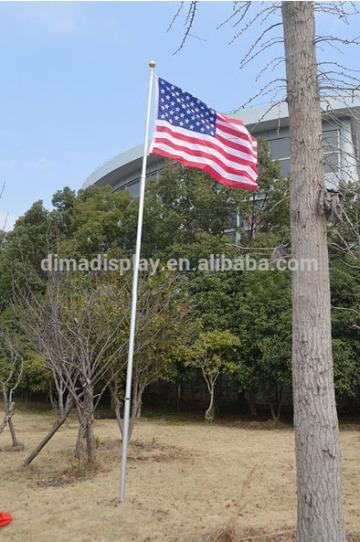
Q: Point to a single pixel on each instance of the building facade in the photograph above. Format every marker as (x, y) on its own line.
(341, 131)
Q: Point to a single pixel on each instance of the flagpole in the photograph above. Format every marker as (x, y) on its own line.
(125, 436)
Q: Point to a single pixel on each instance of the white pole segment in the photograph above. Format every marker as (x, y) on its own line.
(125, 436)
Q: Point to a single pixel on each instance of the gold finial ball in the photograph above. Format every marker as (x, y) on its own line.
(152, 64)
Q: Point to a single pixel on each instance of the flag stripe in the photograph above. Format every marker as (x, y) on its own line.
(218, 142)
(203, 158)
(207, 142)
(231, 143)
(236, 150)
(201, 151)
(236, 125)
(242, 138)
(235, 121)
(240, 131)
(229, 180)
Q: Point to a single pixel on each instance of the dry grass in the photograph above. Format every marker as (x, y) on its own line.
(185, 483)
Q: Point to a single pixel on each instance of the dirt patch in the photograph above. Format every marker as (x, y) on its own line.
(268, 424)
(142, 451)
(110, 451)
(12, 448)
(229, 534)
(61, 479)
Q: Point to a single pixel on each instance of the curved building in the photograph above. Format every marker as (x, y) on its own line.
(341, 129)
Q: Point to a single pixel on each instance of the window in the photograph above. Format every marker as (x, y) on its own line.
(134, 188)
(280, 150)
(331, 151)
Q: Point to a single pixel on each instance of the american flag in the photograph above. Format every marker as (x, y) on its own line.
(194, 134)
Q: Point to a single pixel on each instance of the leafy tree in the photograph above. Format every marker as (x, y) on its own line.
(162, 315)
(212, 352)
(63, 202)
(25, 246)
(262, 318)
(344, 247)
(99, 222)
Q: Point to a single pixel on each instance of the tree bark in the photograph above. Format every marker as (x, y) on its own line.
(13, 434)
(138, 391)
(210, 411)
(51, 433)
(252, 402)
(9, 412)
(117, 407)
(179, 388)
(276, 404)
(86, 428)
(318, 459)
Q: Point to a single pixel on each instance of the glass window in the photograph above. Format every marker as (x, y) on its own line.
(331, 151)
(134, 188)
(285, 166)
(280, 148)
(331, 140)
(331, 162)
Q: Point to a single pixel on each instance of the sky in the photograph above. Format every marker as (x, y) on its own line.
(74, 83)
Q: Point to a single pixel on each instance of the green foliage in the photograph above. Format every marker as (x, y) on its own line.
(99, 222)
(163, 314)
(189, 215)
(63, 202)
(37, 378)
(213, 295)
(262, 318)
(24, 248)
(344, 243)
(213, 352)
(187, 208)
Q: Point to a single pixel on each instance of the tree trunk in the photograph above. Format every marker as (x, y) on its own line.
(252, 402)
(80, 442)
(12, 431)
(90, 441)
(9, 411)
(86, 428)
(55, 427)
(6, 417)
(210, 412)
(117, 408)
(318, 460)
(135, 406)
(179, 389)
(275, 406)
(60, 403)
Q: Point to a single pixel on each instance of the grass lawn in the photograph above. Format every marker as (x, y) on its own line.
(186, 482)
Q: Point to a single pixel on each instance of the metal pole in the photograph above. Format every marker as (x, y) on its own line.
(125, 436)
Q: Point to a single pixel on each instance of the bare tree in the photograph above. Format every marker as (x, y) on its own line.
(77, 327)
(320, 509)
(10, 381)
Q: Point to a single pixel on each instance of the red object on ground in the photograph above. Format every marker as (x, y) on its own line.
(5, 518)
